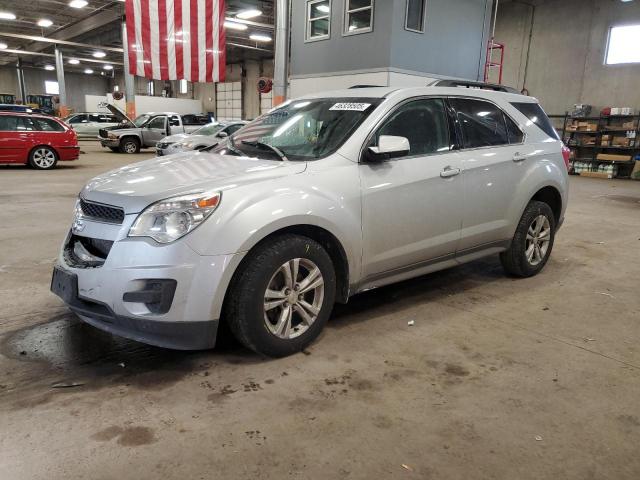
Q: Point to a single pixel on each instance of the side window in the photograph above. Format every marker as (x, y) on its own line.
(8, 124)
(536, 115)
(25, 124)
(482, 123)
(231, 129)
(318, 20)
(423, 122)
(513, 131)
(175, 121)
(358, 16)
(48, 125)
(94, 117)
(157, 122)
(78, 119)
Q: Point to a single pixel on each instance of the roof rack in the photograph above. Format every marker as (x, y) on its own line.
(365, 86)
(475, 85)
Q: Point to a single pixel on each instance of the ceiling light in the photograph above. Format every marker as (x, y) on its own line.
(7, 16)
(45, 22)
(78, 3)
(88, 71)
(234, 25)
(245, 14)
(99, 54)
(74, 61)
(3, 45)
(108, 67)
(260, 38)
(49, 67)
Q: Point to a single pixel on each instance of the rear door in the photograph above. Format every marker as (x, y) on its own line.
(412, 206)
(154, 131)
(493, 154)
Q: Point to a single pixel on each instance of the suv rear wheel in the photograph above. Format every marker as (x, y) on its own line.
(130, 145)
(282, 296)
(532, 242)
(43, 158)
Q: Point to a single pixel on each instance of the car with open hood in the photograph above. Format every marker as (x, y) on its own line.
(324, 197)
(129, 136)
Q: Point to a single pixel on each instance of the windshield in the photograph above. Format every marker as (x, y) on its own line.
(209, 129)
(302, 129)
(141, 120)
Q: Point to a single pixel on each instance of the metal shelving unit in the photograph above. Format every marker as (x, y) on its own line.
(587, 153)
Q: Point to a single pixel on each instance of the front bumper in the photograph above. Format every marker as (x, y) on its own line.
(111, 143)
(99, 294)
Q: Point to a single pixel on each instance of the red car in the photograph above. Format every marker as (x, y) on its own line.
(38, 140)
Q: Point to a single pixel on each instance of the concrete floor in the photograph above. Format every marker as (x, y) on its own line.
(498, 378)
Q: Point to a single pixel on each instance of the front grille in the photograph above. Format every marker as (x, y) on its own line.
(103, 213)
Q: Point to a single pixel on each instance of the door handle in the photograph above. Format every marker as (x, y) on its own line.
(449, 172)
(518, 157)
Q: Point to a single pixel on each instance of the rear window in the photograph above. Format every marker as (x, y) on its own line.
(534, 112)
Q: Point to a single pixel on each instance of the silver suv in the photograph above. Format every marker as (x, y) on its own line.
(322, 198)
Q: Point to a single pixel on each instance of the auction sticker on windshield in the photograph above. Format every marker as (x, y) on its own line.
(351, 107)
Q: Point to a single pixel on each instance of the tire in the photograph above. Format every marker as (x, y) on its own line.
(43, 158)
(269, 330)
(130, 145)
(523, 258)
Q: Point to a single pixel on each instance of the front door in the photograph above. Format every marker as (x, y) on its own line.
(412, 205)
(155, 131)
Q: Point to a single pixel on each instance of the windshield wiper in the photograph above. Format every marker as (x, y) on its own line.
(266, 146)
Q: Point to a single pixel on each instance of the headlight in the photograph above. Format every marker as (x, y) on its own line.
(112, 136)
(172, 218)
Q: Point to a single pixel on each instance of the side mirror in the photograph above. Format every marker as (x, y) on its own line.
(222, 135)
(389, 146)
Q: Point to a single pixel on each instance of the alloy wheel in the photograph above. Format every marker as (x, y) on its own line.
(130, 147)
(538, 240)
(44, 158)
(293, 298)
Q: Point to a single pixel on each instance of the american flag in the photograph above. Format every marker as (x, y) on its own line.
(176, 39)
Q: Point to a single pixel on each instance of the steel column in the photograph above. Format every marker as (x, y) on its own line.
(63, 108)
(129, 80)
(281, 54)
(21, 85)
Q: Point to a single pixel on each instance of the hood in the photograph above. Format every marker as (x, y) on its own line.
(207, 140)
(120, 115)
(136, 186)
(174, 138)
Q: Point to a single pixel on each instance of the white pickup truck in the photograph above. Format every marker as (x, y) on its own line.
(145, 131)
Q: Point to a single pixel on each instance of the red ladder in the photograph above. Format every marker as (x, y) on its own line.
(490, 63)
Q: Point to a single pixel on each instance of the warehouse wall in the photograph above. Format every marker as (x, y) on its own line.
(566, 56)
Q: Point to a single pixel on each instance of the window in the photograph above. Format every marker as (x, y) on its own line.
(623, 45)
(423, 122)
(482, 123)
(318, 20)
(513, 131)
(25, 124)
(536, 115)
(48, 125)
(184, 86)
(157, 122)
(77, 119)
(151, 88)
(358, 16)
(8, 124)
(174, 121)
(51, 88)
(231, 129)
(414, 20)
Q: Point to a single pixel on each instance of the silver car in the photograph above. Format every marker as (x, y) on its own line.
(206, 136)
(322, 198)
(87, 125)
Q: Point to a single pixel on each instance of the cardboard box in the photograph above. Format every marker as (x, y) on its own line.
(605, 140)
(596, 174)
(610, 157)
(629, 125)
(620, 141)
(587, 127)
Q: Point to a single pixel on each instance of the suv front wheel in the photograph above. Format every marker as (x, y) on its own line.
(282, 295)
(532, 243)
